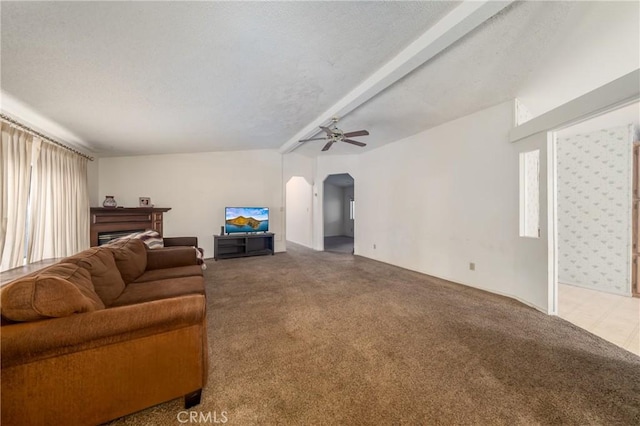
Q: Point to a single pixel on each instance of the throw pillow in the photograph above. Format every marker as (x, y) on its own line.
(152, 239)
(120, 240)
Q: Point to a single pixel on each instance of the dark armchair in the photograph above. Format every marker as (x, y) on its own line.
(183, 241)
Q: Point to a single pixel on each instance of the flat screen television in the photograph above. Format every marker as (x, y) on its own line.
(246, 219)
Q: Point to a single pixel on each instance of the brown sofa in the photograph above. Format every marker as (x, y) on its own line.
(101, 334)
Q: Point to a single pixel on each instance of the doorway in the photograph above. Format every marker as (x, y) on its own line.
(339, 210)
(595, 230)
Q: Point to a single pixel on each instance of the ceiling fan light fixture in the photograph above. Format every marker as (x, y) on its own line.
(334, 135)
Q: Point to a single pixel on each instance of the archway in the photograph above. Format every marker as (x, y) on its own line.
(338, 207)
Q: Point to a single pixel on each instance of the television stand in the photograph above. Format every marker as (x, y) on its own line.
(242, 245)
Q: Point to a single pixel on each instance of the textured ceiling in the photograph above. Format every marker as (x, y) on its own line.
(485, 68)
(163, 77)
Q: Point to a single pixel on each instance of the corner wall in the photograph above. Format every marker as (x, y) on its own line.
(93, 183)
(298, 207)
(298, 178)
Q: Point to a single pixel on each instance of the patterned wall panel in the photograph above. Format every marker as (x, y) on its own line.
(594, 209)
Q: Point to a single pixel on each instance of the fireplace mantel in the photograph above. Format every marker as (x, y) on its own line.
(103, 219)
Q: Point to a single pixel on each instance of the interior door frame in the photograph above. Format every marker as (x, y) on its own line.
(608, 97)
(318, 208)
(634, 258)
(552, 220)
(635, 219)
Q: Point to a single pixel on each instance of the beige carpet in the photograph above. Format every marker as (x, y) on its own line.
(319, 338)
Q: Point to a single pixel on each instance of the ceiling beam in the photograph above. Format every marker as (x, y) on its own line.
(613, 95)
(455, 25)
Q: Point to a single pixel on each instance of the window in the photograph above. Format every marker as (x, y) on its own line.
(352, 209)
(530, 194)
(47, 186)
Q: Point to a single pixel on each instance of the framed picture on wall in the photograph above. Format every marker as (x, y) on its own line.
(145, 202)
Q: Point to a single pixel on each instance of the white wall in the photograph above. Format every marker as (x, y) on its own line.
(93, 183)
(299, 198)
(298, 165)
(594, 209)
(601, 45)
(333, 210)
(197, 187)
(300, 228)
(449, 196)
(347, 195)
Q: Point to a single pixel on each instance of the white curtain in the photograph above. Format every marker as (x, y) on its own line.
(44, 200)
(59, 203)
(15, 159)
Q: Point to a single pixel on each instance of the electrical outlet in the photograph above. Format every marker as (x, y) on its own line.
(472, 266)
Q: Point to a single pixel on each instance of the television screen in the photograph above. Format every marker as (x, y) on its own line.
(246, 219)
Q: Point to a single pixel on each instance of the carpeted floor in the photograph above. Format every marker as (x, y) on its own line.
(317, 338)
(339, 244)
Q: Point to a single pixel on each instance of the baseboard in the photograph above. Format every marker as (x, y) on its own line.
(500, 293)
(300, 244)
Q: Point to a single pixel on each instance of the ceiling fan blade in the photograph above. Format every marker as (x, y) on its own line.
(327, 146)
(313, 139)
(354, 142)
(328, 131)
(356, 133)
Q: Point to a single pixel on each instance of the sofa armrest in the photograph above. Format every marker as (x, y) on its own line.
(171, 257)
(32, 341)
(180, 241)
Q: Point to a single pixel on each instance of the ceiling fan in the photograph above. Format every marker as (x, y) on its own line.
(336, 135)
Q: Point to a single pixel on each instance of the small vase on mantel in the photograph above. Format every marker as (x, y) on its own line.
(110, 202)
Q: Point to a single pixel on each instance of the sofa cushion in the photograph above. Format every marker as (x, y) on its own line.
(59, 291)
(105, 276)
(171, 257)
(131, 258)
(168, 273)
(162, 289)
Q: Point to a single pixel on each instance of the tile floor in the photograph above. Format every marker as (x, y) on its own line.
(612, 317)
